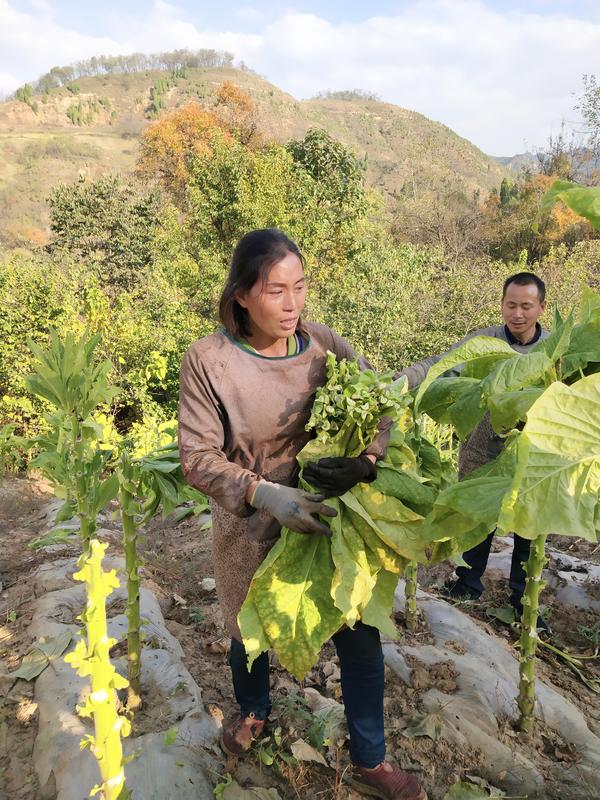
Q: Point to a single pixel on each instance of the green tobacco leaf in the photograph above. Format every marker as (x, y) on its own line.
(506, 410)
(150, 465)
(442, 393)
(466, 791)
(456, 401)
(467, 412)
(180, 514)
(584, 347)
(589, 302)
(516, 373)
(404, 487)
(167, 490)
(505, 614)
(583, 200)
(106, 492)
(556, 484)
(395, 524)
(353, 581)
(291, 598)
(479, 354)
(328, 726)
(378, 610)
(32, 665)
(464, 514)
(251, 627)
(464, 536)
(429, 462)
(557, 344)
(478, 499)
(386, 557)
(65, 512)
(54, 646)
(220, 787)
(55, 536)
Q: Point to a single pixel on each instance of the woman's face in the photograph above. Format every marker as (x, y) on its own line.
(275, 305)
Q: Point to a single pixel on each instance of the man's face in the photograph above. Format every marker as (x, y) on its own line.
(521, 309)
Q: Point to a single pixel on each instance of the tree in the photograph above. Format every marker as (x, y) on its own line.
(338, 174)
(107, 222)
(451, 222)
(589, 106)
(508, 221)
(238, 112)
(348, 94)
(170, 146)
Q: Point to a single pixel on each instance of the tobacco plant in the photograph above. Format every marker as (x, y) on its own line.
(145, 483)
(547, 479)
(72, 455)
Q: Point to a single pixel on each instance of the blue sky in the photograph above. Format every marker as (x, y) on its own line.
(251, 16)
(502, 74)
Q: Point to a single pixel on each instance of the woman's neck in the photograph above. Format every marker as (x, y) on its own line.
(267, 346)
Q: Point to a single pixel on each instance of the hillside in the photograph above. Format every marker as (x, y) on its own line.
(519, 162)
(40, 145)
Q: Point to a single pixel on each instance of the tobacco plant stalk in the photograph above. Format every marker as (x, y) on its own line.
(411, 612)
(129, 506)
(529, 634)
(91, 658)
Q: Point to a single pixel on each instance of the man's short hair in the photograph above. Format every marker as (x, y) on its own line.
(526, 279)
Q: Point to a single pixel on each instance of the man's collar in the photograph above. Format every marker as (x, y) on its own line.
(511, 339)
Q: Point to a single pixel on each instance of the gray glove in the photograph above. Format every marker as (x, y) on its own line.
(293, 508)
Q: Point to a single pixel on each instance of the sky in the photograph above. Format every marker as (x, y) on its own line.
(503, 74)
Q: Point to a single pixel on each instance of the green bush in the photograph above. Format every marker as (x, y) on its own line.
(107, 224)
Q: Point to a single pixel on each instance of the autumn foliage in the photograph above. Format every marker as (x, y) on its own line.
(170, 145)
(238, 112)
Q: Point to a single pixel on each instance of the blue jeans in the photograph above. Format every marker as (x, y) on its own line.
(477, 559)
(362, 677)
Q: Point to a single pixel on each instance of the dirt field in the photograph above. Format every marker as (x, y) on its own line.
(177, 559)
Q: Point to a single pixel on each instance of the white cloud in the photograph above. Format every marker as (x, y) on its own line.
(503, 79)
(30, 44)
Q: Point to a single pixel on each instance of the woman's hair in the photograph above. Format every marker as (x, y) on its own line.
(253, 257)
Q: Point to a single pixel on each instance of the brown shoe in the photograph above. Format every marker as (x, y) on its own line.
(237, 738)
(387, 782)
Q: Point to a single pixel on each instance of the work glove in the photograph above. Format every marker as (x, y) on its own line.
(293, 508)
(335, 476)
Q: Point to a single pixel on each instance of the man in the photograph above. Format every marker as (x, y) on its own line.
(523, 303)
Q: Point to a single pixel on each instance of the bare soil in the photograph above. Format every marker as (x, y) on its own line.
(575, 631)
(177, 559)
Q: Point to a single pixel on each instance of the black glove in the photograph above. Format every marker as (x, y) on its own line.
(293, 508)
(335, 476)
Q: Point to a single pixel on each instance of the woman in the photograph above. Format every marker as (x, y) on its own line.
(245, 398)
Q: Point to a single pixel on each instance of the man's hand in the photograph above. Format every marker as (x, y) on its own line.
(335, 476)
(293, 508)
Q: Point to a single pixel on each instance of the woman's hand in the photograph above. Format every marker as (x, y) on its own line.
(335, 476)
(292, 508)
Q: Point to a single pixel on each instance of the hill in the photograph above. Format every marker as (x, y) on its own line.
(519, 162)
(93, 127)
